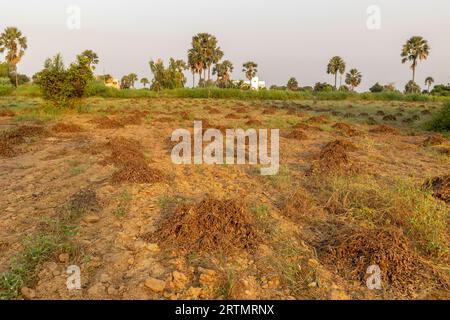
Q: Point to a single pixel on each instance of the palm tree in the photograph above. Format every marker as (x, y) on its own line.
(429, 82)
(91, 57)
(195, 64)
(15, 44)
(353, 78)
(335, 66)
(144, 82)
(132, 77)
(415, 49)
(250, 70)
(223, 71)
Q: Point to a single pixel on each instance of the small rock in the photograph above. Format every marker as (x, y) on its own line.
(28, 293)
(312, 285)
(155, 285)
(91, 219)
(64, 257)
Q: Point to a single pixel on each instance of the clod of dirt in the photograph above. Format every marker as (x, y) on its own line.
(390, 117)
(210, 225)
(297, 134)
(126, 154)
(425, 112)
(371, 121)
(384, 129)
(440, 187)
(345, 129)
(12, 139)
(380, 113)
(334, 158)
(351, 251)
(107, 123)
(6, 113)
(61, 127)
(434, 140)
(269, 111)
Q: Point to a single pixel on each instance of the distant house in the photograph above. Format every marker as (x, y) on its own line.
(113, 83)
(255, 84)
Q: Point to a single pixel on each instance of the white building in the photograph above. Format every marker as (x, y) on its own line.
(255, 84)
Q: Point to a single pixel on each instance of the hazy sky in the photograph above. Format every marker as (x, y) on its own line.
(285, 37)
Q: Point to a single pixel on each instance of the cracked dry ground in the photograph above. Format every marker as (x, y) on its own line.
(128, 248)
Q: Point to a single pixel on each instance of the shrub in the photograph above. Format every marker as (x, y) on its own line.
(412, 88)
(6, 86)
(376, 88)
(321, 87)
(62, 85)
(441, 121)
(441, 90)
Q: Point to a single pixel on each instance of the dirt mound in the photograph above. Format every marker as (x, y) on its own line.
(107, 123)
(269, 111)
(384, 129)
(126, 154)
(303, 126)
(132, 119)
(390, 117)
(62, 127)
(12, 139)
(351, 251)
(241, 110)
(6, 113)
(434, 140)
(164, 120)
(232, 116)
(440, 187)
(214, 111)
(253, 122)
(210, 225)
(318, 119)
(334, 158)
(84, 201)
(297, 205)
(345, 129)
(297, 134)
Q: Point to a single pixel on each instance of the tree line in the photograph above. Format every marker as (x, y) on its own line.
(204, 60)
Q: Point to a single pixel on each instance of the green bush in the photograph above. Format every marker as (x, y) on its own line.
(6, 86)
(441, 121)
(412, 88)
(441, 90)
(63, 85)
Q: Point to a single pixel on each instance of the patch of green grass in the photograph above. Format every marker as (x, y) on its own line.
(381, 202)
(225, 289)
(57, 235)
(282, 178)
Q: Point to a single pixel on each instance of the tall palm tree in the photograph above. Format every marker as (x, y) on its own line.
(15, 44)
(353, 78)
(144, 82)
(335, 66)
(132, 77)
(223, 71)
(414, 50)
(91, 57)
(195, 64)
(429, 82)
(250, 69)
